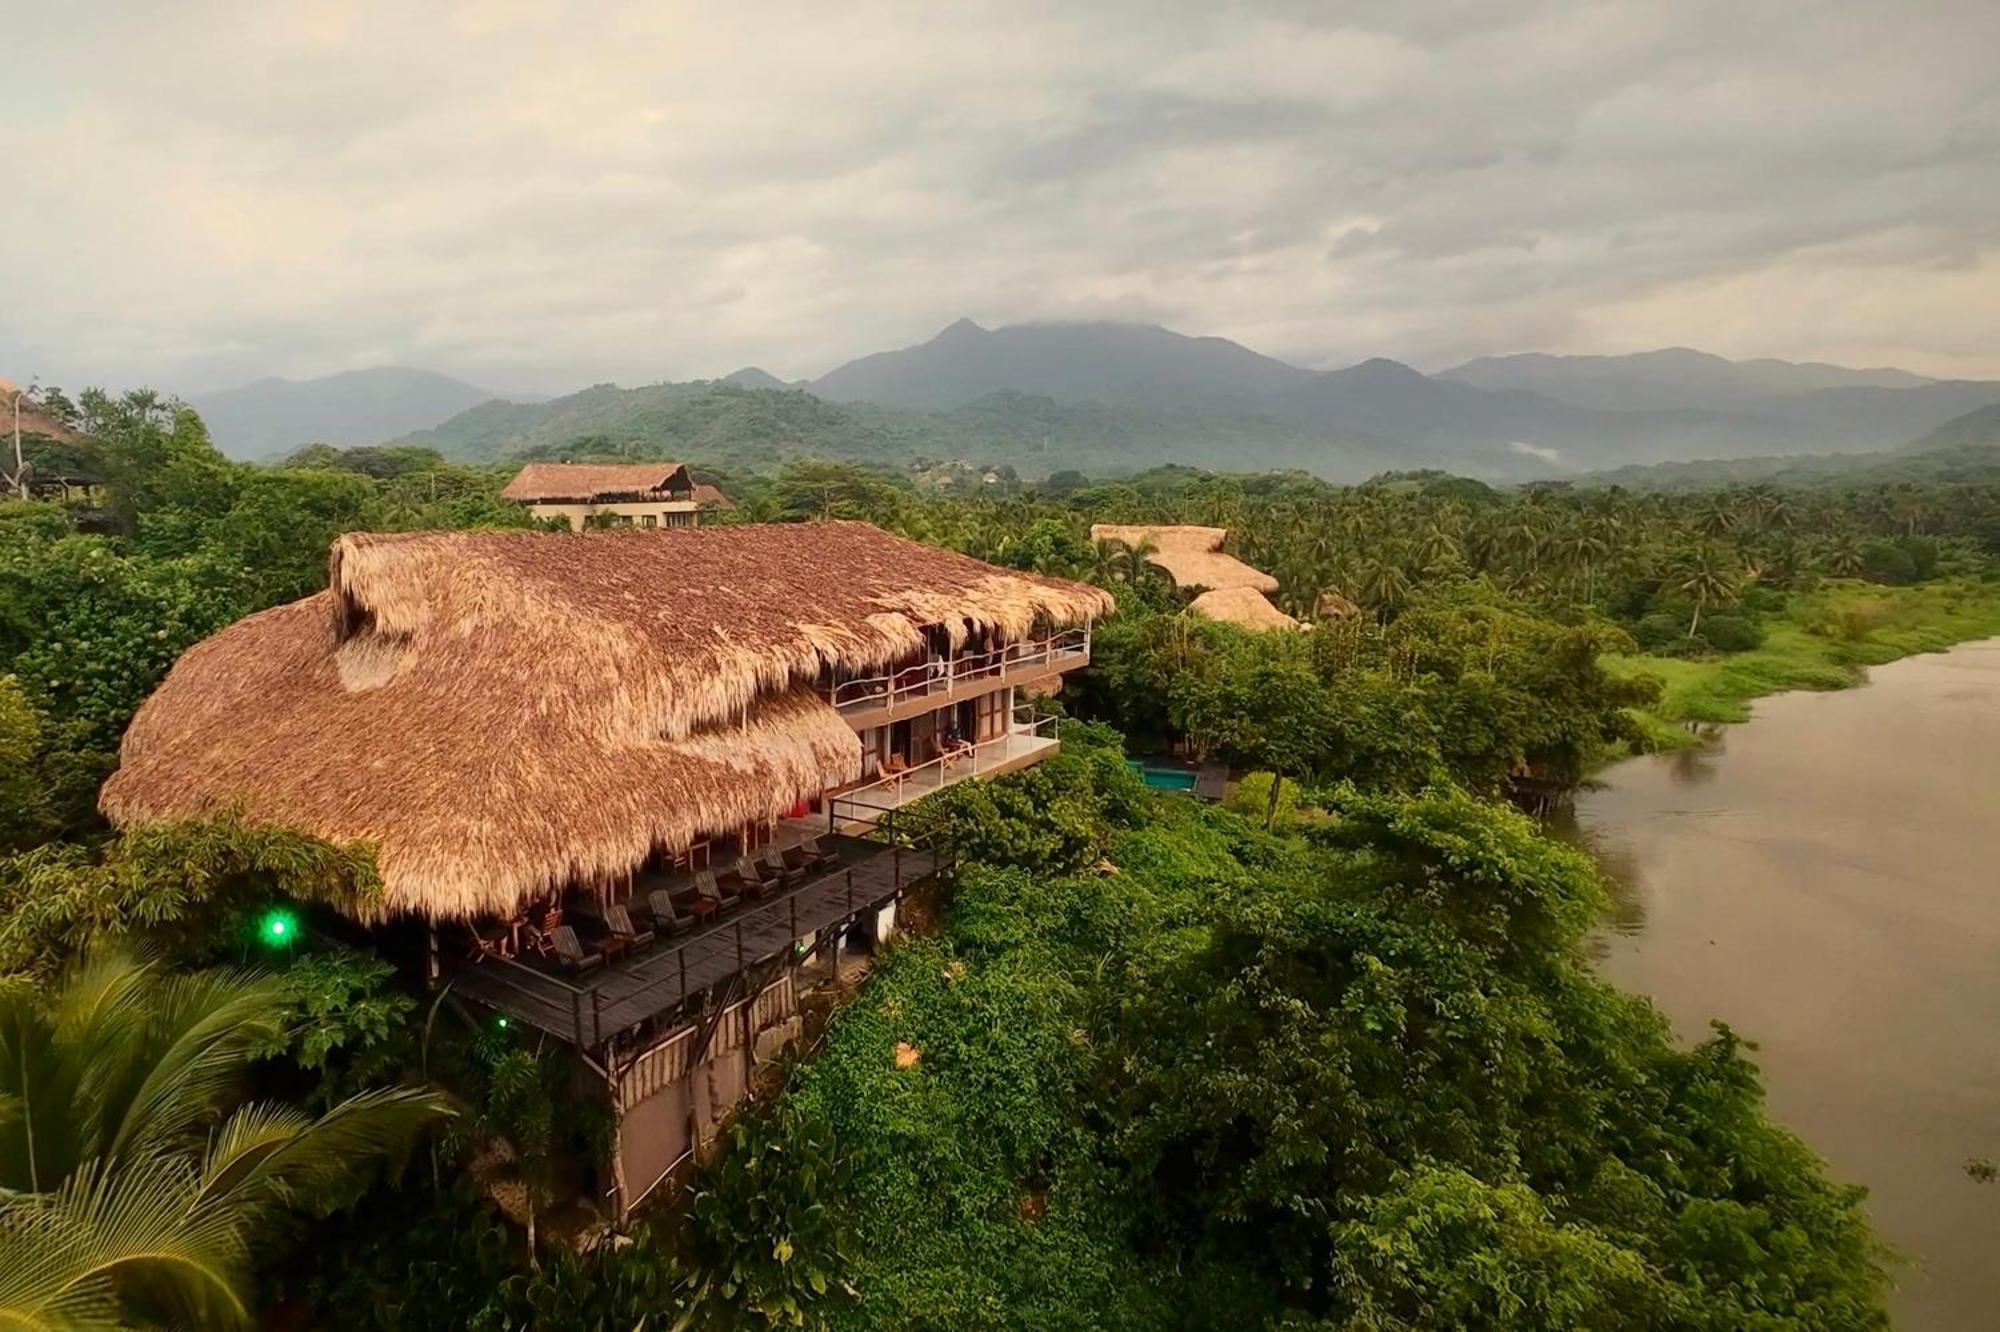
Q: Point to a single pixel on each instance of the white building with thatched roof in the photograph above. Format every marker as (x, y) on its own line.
(659, 494)
(588, 763)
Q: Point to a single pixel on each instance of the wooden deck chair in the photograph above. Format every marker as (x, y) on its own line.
(667, 917)
(829, 856)
(569, 952)
(619, 918)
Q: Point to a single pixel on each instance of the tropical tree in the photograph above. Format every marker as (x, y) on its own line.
(1704, 573)
(136, 1185)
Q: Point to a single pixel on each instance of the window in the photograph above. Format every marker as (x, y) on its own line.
(649, 520)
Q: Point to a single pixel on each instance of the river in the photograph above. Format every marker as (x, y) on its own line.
(1826, 878)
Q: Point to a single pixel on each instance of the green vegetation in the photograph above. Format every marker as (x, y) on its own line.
(1328, 1057)
(728, 426)
(1823, 640)
(1352, 1073)
(133, 1175)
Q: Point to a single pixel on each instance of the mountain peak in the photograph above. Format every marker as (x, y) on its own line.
(1380, 369)
(960, 331)
(753, 377)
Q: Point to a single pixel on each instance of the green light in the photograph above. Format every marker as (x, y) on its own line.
(277, 928)
(501, 1023)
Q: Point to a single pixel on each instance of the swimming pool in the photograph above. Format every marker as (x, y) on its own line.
(1162, 779)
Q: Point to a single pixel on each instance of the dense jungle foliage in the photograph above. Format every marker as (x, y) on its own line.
(1328, 1058)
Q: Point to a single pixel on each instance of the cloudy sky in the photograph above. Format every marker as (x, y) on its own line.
(537, 195)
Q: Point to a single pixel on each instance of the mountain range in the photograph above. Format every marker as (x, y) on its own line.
(1105, 397)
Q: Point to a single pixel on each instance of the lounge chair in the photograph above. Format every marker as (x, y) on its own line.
(620, 920)
(801, 859)
(667, 917)
(723, 894)
(753, 878)
(828, 856)
(569, 952)
(775, 869)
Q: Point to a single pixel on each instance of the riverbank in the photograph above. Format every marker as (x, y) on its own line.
(1821, 880)
(1824, 639)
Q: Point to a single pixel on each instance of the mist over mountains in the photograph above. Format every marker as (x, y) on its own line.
(274, 416)
(1105, 397)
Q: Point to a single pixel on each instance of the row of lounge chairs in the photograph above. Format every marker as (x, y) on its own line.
(625, 929)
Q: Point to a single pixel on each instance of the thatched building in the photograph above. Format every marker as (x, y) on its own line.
(1244, 606)
(657, 494)
(560, 746)
(1229, 590)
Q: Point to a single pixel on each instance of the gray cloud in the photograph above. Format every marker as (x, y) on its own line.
(541, 195)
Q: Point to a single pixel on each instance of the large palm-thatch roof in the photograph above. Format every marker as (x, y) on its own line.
(585, 483)
(1191, 556)
(1244, 606)
(500, 713)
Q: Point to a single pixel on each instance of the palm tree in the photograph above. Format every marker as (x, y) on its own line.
(1704, 573)
(1845, 555)
(134, 1183)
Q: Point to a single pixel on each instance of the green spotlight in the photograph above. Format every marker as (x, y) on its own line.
(278, 928)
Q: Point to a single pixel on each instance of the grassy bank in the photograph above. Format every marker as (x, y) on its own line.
(1823, 640)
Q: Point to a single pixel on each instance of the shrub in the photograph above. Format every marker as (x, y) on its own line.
(1661, 631)
(1732, 633)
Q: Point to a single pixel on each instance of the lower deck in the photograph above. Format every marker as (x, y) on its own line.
(659, 980)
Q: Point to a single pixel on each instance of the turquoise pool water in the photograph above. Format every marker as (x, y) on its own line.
(1162, 779)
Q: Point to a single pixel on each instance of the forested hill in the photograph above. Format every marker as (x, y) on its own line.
(1570, 412)
(727, 425)
(1978, 429)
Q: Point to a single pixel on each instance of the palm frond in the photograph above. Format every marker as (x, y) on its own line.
(275, 1154)
(204, 1027)
(112, 1243)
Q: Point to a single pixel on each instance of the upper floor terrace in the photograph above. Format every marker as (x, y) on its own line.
(954, 676)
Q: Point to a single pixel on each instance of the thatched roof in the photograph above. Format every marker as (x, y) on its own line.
(1334, 606)
(34, 420)
(586, 483)
(1191, 556)
(501, 713)
(711, 497)
(1241, 605)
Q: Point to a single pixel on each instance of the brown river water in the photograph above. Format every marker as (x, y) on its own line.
(1826, 879)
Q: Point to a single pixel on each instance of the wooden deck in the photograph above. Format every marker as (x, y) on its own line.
(589, 1009)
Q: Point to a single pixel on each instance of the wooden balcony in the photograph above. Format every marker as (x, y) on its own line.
(589, 1009)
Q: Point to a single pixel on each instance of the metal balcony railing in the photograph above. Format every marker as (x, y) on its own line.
(869, 802)
(1071, 646)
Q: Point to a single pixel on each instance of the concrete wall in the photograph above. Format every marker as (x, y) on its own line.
(665, 513)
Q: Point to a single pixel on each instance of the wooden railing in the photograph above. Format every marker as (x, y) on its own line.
(925, 679)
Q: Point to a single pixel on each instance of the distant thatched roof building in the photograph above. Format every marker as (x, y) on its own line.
(1244, 606)
(711, 497)
(1191, 556)
(504, 712)
(34, 420)
(586, 483)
